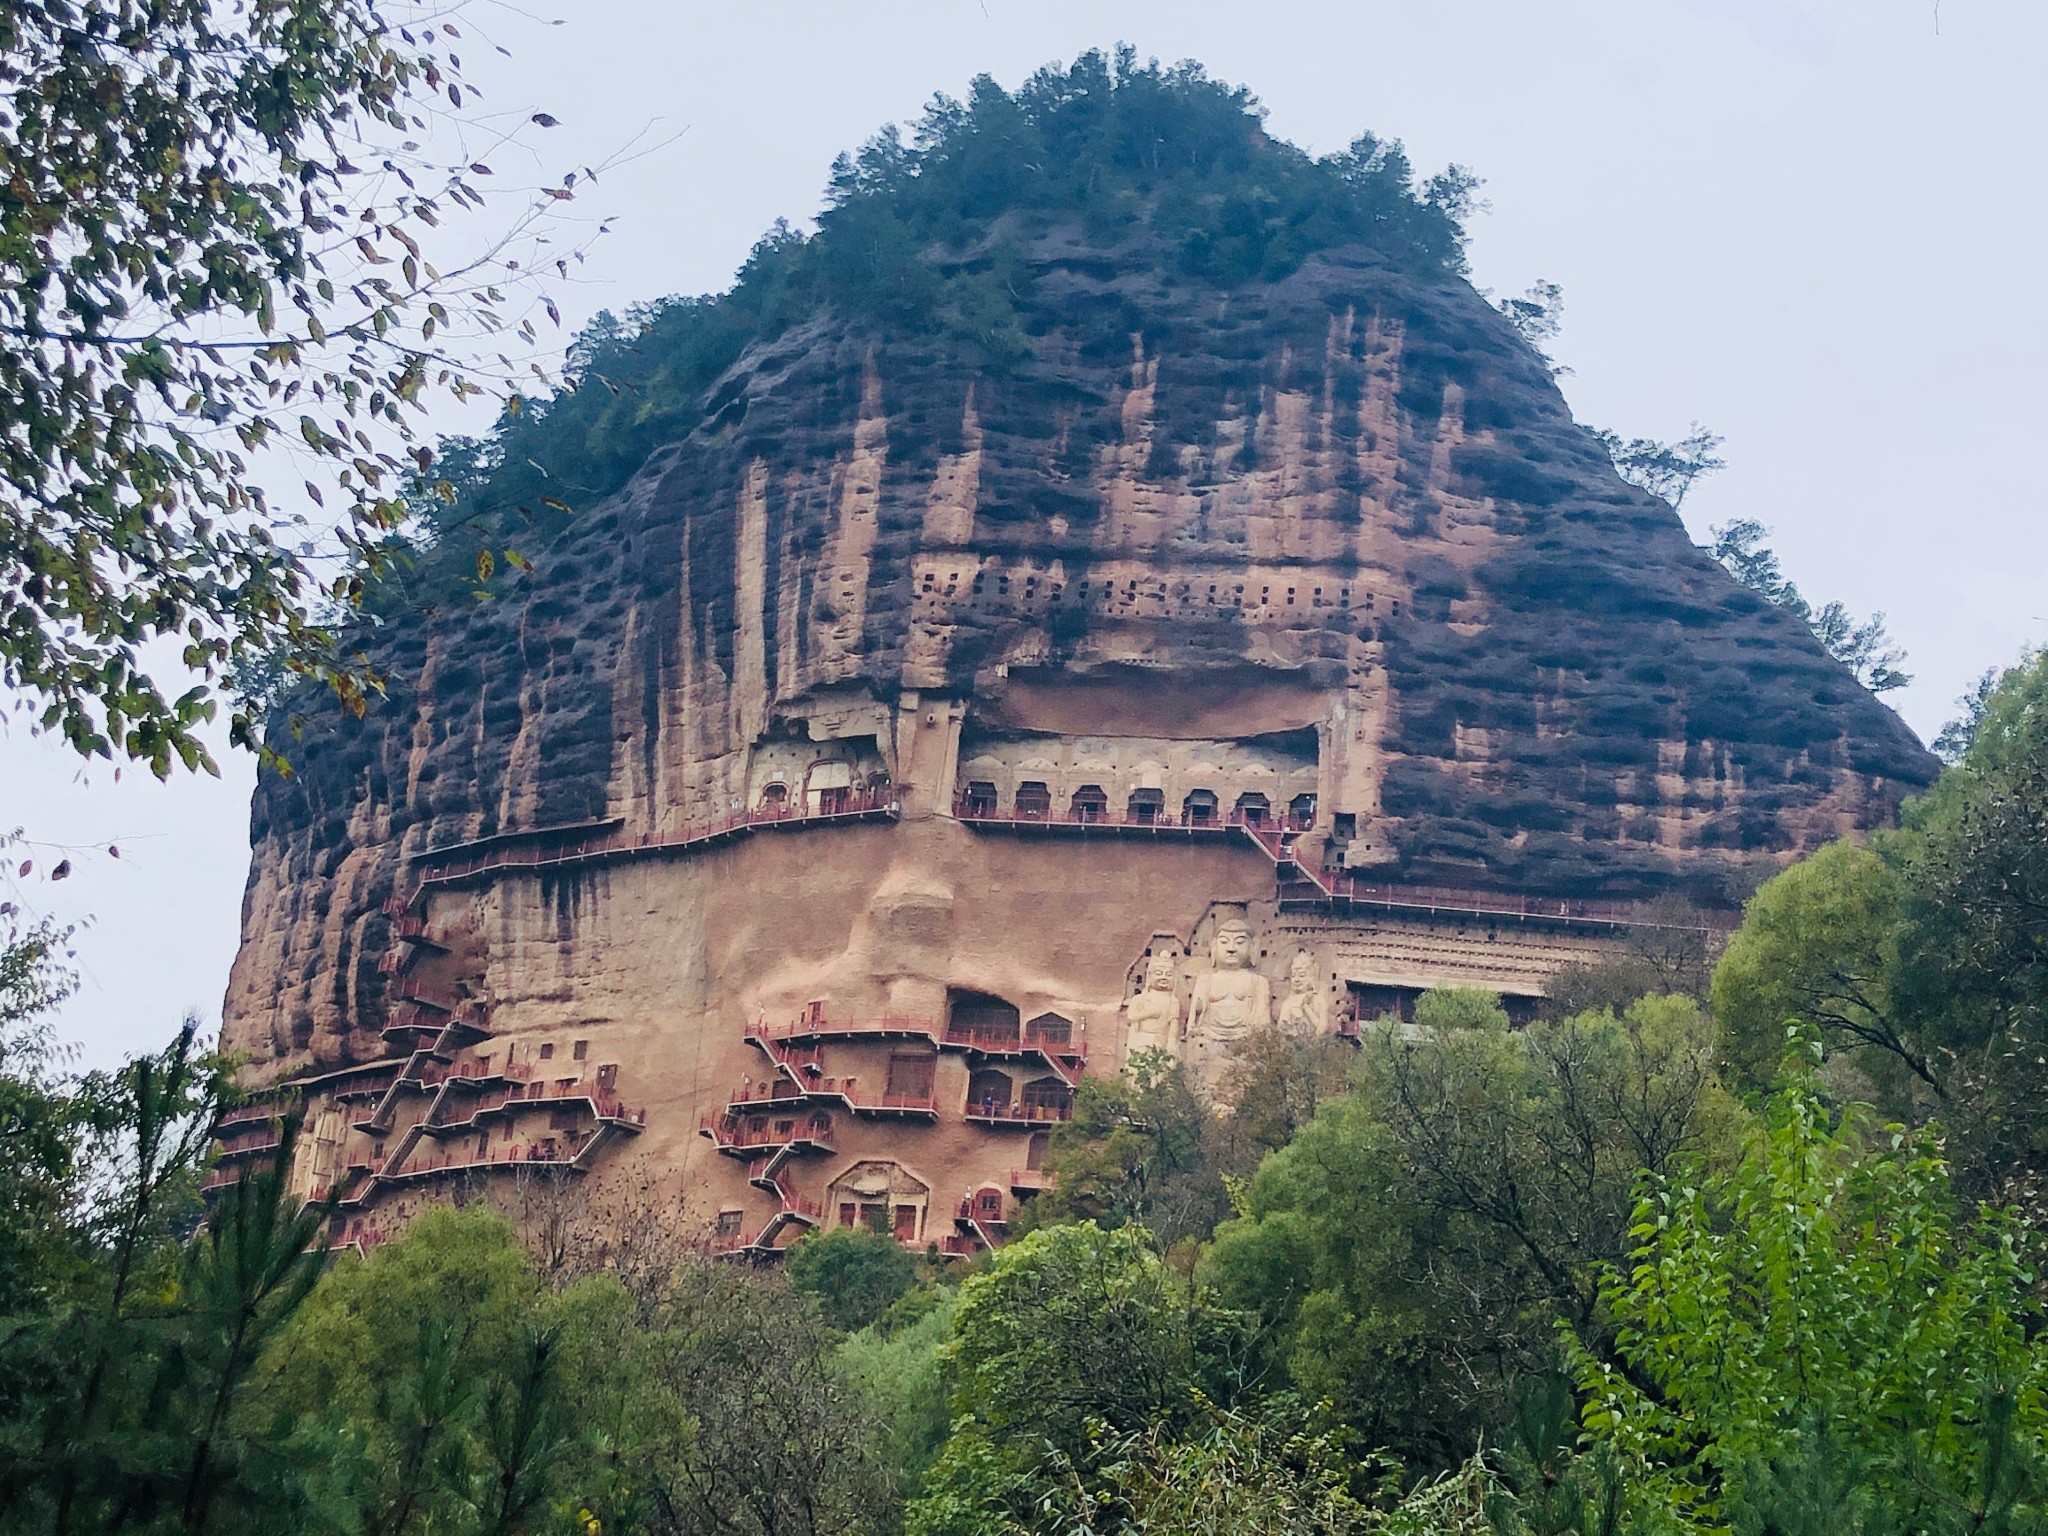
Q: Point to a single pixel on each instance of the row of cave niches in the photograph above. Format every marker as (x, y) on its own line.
(1090, 804)
(1033, 595)
(784, 1126)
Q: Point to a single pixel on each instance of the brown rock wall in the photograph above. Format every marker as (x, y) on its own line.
(1348, 503)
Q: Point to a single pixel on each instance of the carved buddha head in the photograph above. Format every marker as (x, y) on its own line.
(1231, 949)
(1301, 975)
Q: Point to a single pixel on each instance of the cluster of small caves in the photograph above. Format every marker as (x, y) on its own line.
(790, 774)
(1089, 805)
(831, 1082)
(845, 1119)
(445, 1107)
(1028, 590)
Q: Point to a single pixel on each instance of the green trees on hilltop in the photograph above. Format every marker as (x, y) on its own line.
(925, 235)
(1864, 646)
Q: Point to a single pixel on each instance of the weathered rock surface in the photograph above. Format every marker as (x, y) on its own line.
(1019, 668)
(1349, 505)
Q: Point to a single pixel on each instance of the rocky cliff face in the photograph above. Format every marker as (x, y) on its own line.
(1346, 504)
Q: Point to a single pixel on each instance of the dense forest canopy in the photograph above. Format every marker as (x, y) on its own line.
(925, 233)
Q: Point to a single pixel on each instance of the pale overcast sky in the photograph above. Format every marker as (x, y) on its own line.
(1814, 225)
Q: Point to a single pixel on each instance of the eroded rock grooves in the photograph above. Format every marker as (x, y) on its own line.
(998, 657)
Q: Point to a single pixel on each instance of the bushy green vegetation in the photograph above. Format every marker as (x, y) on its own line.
(1764, 1265)
(1922, 954)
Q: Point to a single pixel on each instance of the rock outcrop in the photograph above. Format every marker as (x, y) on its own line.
(1327, 546)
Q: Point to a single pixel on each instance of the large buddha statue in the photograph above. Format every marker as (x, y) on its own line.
(1152, 1018)
(1230, 1000)
(1305, 1010)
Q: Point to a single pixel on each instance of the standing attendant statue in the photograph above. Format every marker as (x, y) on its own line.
(1152, 1018)
(1305, 1010)
(1230, 1000)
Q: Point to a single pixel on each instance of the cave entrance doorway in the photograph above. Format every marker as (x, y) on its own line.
(1199, 809)
(1090, 803)
(1147, 806)
(981, 1019)
(1053, 1030)
(828, 788)
(909, 1076)
(988, 1093)
(1046, 1098)
(1252, 809)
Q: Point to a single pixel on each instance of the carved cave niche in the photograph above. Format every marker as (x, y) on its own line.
(828, 786)
(1252, 808)
(789, 772)
(881, 1195)
(981, 1018)
(1050, 1029)
(910, 1075)
(988, 1092)
(1046, 1098)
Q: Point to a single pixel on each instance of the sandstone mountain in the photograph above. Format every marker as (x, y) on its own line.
(1203, 457)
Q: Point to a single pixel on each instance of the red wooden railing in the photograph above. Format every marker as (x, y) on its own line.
(618, 845)
(564, 1156)
(814, 1023)
(1275, 838)
(250, 1114)
(1020, 1114)
(247, 1144)
(444, 998)
(603, 1104)
(984, 1038)
(846, 1090)
(791, 1208)
(1061, 1057)
(969, 810)
(730, 1136)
